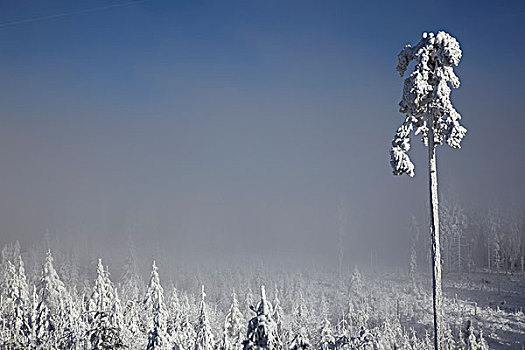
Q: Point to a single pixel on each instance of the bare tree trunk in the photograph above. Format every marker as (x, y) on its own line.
(488, 252)
(434, 232)
(459, 255)
(448, 256)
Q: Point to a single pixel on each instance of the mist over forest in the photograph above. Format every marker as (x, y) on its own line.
(299, 175)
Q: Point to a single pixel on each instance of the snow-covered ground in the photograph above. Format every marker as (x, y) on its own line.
(493, 303)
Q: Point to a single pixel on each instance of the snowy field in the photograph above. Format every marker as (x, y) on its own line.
(491, 302)
(495, 302)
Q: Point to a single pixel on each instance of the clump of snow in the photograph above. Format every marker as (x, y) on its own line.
(426, 97)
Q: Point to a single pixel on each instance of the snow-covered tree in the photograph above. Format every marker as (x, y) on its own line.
(453, 224)
(73, 329)
(132, 290)
(50, 310)
(300, 341)
(185, 334)
(132, 327)
(412, 267)
(262, 330)
(471, 341)
(16, 306)
(326, 336)
(358, 313)
(233, 326)
(429, 111)
(323, 307)
(204, 339)
(301, 315)
(495, 238)
(105, 314)
(342, 325)
(515, 243)
(51, 288)
(131, 283)
(70, 271)
(249, 300)
(343, 222)
(34, 336)
(356, 283)
(156, 314)
(174, 314)
(278, 313)
(10, 252)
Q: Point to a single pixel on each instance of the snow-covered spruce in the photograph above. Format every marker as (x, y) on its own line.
(326, 337)
(131, 284)
(204, 339)
(15, 306)
(155, 313)
(386, 316)
(234, 329)
(262, 330)
(50, 310)
(105, 315)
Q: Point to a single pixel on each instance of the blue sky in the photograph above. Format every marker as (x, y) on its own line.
(242, 121)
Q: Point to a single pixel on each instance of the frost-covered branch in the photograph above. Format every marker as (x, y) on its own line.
(426, 97)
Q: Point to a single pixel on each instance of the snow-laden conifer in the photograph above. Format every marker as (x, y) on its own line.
(249, 301)
(185, 335)
(105, 314)
(131, 283)
(50, 310)
(278, 313)
(470, 341)
(35, 334)
(51, 289)
(300, 341)
(326, 336)
(156, 314)
(132, 290)
(10, 252)
(132, 328)
(453, 224)
(301, 314)
(262, 330)
(429, 111)
(16, 306)
(356, 284)
(204, 339)
(233, 326)
(426, 97)
(174, 315)
(73, 328)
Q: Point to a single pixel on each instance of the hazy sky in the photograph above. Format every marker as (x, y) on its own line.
(247, 122)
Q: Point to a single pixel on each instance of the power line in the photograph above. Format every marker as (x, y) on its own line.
(58, 15)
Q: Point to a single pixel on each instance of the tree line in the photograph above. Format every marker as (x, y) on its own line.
(472, 240)
(134, 315)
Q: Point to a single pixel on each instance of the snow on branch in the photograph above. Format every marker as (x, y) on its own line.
(426, 97)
